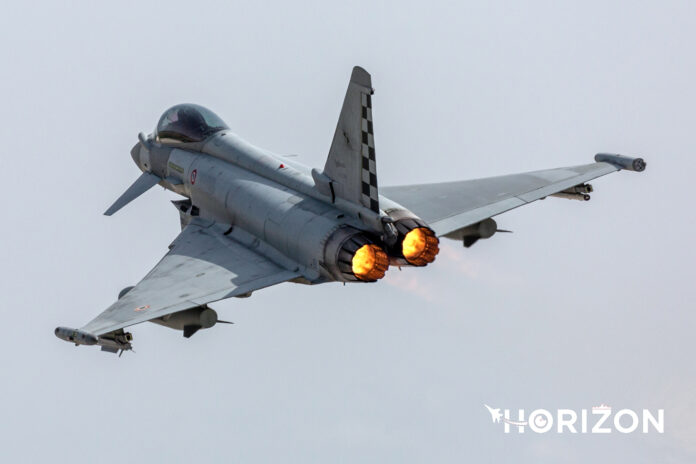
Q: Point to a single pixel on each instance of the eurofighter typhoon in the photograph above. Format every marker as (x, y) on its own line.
(251, 219)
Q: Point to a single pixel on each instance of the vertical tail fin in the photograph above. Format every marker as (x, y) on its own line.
(351, 164)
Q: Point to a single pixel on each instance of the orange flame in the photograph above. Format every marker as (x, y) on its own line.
(370, 262)
(420, 246)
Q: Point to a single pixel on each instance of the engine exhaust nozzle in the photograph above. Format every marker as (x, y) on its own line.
(370, 263)
(420, 246)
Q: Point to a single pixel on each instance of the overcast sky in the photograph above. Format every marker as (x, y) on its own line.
(585, 303)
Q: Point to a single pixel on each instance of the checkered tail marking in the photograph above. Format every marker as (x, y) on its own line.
(370, 196)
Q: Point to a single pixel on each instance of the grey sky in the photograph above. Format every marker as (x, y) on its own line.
(584, 303)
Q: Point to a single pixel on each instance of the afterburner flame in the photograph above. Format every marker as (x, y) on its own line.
(420, 246)
(370, 262)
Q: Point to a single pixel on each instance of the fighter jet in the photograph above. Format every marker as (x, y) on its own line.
(496, 415)
(251, 218)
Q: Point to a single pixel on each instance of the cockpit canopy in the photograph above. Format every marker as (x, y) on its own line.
(188, 123)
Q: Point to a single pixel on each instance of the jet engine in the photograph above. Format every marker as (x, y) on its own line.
(351, 256)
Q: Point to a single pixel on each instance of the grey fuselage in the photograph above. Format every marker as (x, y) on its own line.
(262, 196)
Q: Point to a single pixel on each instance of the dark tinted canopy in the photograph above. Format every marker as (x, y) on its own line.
(188, 123)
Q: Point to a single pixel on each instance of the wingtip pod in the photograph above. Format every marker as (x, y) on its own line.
(76, 336)
(113, 342)
(622, 162)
